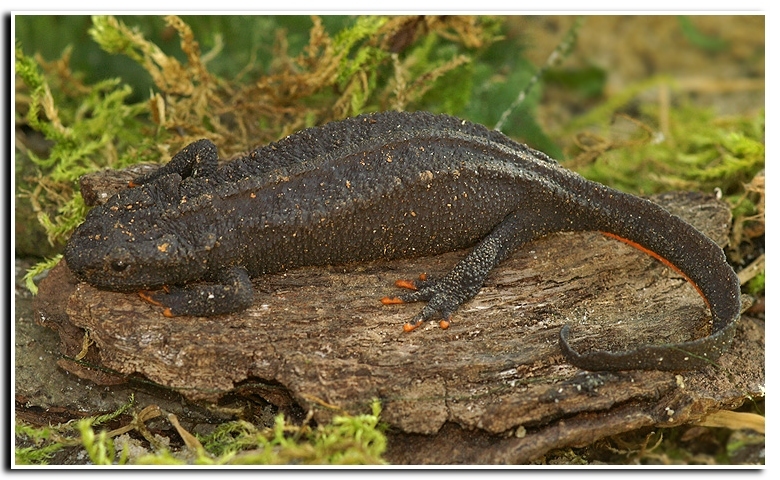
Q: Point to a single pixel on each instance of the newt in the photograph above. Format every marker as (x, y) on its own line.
(380, 186)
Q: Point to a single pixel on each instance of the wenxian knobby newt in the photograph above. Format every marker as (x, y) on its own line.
(380, 186)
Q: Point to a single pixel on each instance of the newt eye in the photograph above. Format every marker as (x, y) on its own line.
(118, 266)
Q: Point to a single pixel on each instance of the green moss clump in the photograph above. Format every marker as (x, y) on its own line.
(46, 441)
(86, 128)
(346, 440)
(699, 151)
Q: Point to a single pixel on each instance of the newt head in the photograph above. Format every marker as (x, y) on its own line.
(130, 243)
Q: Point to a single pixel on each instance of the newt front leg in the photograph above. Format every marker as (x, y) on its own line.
(234, 292)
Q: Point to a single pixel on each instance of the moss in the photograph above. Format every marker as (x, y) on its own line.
(757, 284)
(658, 149)
(683, 147)
(44, 444)
(87, 128)
(38, 269)
(347, 440)
(48, 440)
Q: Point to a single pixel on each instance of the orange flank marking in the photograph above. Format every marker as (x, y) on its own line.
(444, 323)
(168, 313)
(660, 259)
(391, 301)
(132, 184)
(423, 277)
(408, 284)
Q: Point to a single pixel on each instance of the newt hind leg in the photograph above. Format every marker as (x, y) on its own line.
(439, 302)
(446, 294)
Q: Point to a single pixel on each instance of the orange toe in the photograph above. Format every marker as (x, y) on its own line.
(391, 301)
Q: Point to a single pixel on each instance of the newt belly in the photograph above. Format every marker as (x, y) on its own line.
(380, 186)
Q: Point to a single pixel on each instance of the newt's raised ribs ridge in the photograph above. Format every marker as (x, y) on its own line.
(385, 185)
